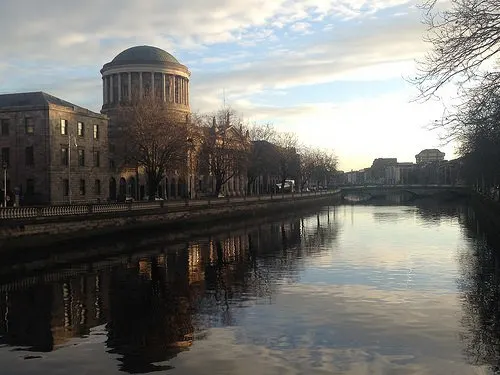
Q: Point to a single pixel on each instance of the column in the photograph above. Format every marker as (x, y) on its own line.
(130, 92)
(111, 88)
(184, 91)
(172, 88)
(152, 84)
(141, 89)
(119, 87)
(187, 92)
(104, 98)
(164, 90)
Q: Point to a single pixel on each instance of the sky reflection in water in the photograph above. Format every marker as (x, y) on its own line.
(350, 290)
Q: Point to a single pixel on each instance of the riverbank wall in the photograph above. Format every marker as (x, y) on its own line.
(35, 227)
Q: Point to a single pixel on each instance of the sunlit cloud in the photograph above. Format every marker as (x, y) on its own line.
(247, 49)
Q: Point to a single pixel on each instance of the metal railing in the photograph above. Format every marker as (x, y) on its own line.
(10, 213)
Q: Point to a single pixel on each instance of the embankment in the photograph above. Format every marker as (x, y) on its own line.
(38, 231)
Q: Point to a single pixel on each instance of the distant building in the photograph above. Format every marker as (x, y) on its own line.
(429, 155)
(378, 169)
(398, 173)
(54, 150)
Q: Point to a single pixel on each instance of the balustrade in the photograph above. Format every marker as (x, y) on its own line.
(12, 213)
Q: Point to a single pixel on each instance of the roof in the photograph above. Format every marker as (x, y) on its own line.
(428, 150)
(37, 99)
(143, 54)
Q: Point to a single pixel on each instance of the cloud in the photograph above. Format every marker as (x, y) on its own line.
(245, 48)
(301, 27)
(358, 130)
(381, 50)
(75, 31)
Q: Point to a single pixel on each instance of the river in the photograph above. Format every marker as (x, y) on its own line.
(353, 289)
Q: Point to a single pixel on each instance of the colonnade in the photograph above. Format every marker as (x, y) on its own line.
(170, 88)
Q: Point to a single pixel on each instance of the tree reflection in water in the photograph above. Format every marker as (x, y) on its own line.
(480, 295)
(155, 306)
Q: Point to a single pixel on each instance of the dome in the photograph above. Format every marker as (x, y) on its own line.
(144, 54)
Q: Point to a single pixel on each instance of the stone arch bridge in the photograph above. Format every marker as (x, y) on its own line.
(416, 191)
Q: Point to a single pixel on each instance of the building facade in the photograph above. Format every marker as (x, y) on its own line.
(429, 155)
(132, 75)
(54, 151)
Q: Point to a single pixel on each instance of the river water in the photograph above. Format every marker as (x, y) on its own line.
(345, 290)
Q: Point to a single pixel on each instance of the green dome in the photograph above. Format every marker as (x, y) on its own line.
(144, 54)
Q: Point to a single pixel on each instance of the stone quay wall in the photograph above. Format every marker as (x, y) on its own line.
(38, 226)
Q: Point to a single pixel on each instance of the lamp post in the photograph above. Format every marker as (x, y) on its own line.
(4, 166)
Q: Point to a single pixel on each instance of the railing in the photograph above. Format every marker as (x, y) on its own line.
(10, 213)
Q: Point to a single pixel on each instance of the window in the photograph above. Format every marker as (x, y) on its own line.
(65, 187)
(96, 131)
(97, 159)
(64, 127)
(81, 158)
(5, 126)
(30, 186)
(29, 156)
(82, 187)
(97, 187)
(29, 125)
(80, 129)
(112, 163)
(64, 156)
(6, 155)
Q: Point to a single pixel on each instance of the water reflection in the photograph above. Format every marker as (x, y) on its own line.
(349, 290)
(155, 306)
(480, 295)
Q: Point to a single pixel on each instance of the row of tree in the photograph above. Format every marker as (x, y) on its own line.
(465, 44)
(221, 144)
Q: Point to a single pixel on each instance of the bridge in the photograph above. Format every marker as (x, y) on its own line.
(416, 191)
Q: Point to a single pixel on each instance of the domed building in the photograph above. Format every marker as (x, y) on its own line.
(145, 69)
(134, 73)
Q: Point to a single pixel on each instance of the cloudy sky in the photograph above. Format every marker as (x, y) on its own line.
(330, 70)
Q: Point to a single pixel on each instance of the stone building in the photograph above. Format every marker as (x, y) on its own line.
(222, 158)
(55, 152)
(429, 155)
(133, 74)
(263, 168)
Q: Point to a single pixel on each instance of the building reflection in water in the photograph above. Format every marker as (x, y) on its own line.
(155, 306)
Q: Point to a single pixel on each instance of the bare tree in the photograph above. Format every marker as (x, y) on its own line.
(153, 140)
(316, 165)
(263, 154)
(308, 163)
(288, 158)
(464, 38)
(262, 132)
(225, 146)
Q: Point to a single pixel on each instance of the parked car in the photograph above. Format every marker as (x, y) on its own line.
(156, 198)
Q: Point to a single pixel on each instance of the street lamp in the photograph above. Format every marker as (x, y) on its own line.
(5, 166)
